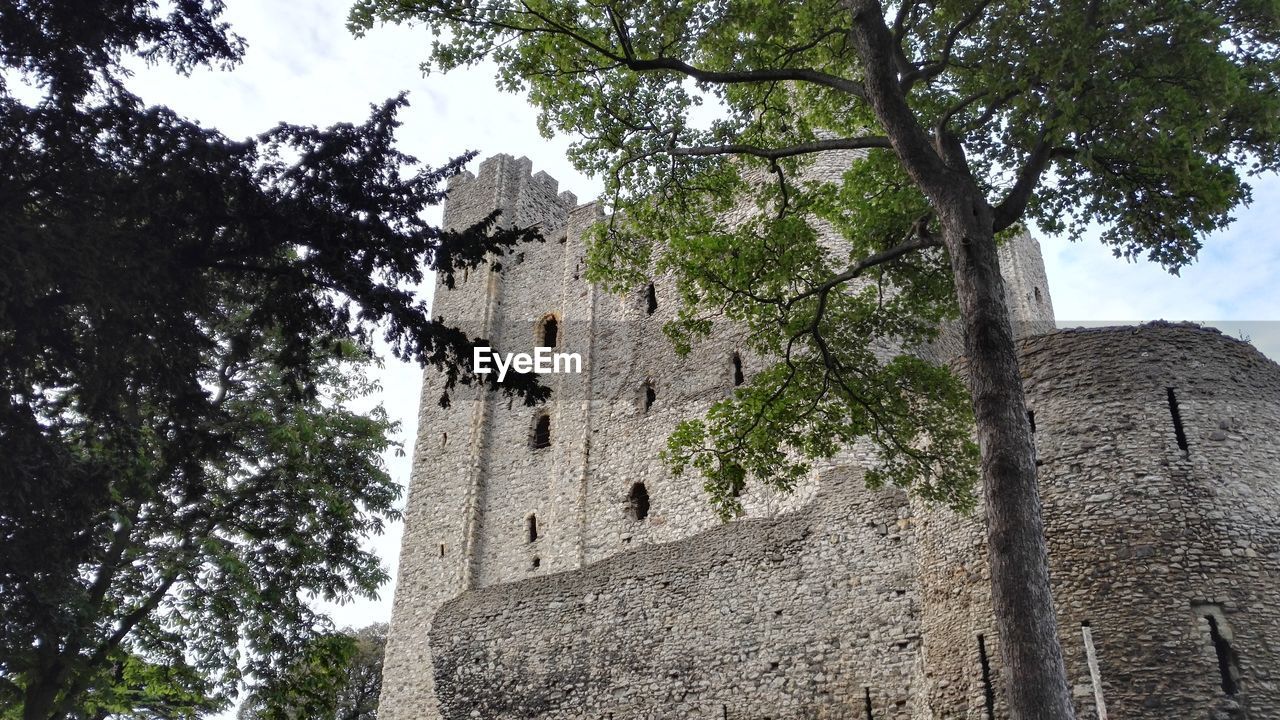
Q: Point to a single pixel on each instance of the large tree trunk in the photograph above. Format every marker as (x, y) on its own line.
(1035, 675)
(40, 696)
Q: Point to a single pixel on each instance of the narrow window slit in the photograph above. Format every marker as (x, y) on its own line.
(1226, 657)
(1176, 414)
(651, 299)
(738, 377)
(650, 396)
(988, 692)
(441, 549)
(866, 694)
(532, 526)
(1031, 419)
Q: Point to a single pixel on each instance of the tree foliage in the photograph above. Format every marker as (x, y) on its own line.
(339, 678)
(958, 120)
(1140, 119)
(185, 323)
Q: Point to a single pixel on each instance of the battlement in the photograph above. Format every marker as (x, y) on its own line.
(509, 184)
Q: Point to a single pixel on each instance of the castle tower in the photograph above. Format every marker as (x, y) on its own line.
(444, 525)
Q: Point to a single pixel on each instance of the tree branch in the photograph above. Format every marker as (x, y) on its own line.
(920, 240)
(874, 44)
(853, 143)
(1015, 202)
(932, 70)
(628, 59)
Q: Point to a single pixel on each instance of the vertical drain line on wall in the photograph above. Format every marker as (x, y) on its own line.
(584, 467)
(1095, 674)
(480, 431)
(988, 692)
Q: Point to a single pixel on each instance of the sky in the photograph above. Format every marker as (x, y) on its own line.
(303, 67)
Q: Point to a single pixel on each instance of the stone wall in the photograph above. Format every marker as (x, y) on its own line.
(803, 616)
(865, 593)
(1146, 540)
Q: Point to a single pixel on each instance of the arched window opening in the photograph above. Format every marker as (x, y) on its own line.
(638, 502)
(650, 396)
(549, 332)
(541, 431)
(531, 525)
(651, 299)
(738, 377)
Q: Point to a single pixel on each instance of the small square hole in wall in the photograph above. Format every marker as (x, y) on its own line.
(537, 563)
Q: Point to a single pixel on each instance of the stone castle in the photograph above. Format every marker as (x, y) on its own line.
(551, 568)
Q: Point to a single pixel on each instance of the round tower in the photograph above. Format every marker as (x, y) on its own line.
(1159, 479)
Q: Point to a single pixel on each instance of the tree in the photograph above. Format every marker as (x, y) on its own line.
(184, 322)
(339, 678)
(962, 118)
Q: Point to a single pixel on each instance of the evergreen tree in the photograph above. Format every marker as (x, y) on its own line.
(184, 321)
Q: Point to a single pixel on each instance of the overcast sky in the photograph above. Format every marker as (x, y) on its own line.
(303, 67)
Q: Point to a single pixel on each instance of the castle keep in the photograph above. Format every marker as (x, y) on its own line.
(551, 568)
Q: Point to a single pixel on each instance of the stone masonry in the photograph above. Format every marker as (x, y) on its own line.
(551, 568)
